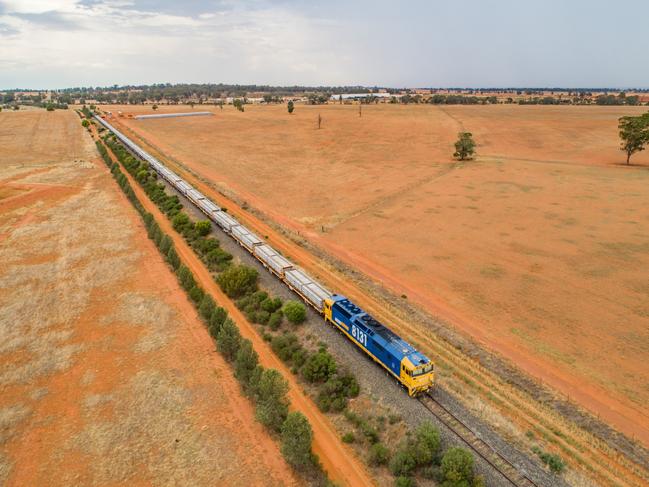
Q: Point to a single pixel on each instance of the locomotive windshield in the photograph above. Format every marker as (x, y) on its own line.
(422, 370)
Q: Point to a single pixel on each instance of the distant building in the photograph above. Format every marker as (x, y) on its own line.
(358, 96)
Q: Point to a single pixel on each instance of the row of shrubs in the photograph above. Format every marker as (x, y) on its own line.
(240, 282)
(170, 205)
(265, 387)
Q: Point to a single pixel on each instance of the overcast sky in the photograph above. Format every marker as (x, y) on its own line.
(460, 43)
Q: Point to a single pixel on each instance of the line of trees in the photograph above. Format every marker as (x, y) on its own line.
(265, 387)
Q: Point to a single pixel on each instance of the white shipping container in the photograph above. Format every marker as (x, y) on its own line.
(272, 259)
(246, 237)
(225, 221)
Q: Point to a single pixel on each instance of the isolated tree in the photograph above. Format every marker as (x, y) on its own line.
(319, 121)
(154, 107)
(360, 109)
(238, 104)
(634, 132)
(297, 436)
(464, 147)
(85, 123)
(191, 104)
(291, 106)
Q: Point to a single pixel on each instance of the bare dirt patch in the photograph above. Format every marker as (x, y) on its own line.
(106, 374)
(538, 249)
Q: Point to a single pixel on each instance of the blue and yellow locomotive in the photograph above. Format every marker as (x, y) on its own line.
(410, 367)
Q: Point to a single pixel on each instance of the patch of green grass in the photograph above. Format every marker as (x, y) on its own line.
(492, 271)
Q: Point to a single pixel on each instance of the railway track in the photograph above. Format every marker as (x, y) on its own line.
(476, 444)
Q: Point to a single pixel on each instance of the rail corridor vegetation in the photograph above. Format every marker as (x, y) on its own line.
(332, 386)
(265, 387)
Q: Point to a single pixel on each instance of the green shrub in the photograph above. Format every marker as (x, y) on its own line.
(261, 317)
(285, 346)
(296, 440)
(553, 461)
(196, 294)
(218, 259)
(206, 308)
(299, 357)
(180, 221)
(271, 305)
(172, 257)
(348, 437)
(142, 175)
(206, 245)
(275, 320)
(425, 443)
(334, 393)
(85, 123)
(165, 244)
(379, 455)
(219, 315)
(228, 340)
(272, 404)
(403, 463)
(252, 390)
(295, 312)
(238, 280)
(157, 236)
(245, 363)
(457, 466)
(319, 367)
(186, 278)
(404, 482)
(203, 227)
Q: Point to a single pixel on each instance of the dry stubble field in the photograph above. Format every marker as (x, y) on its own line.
(539, 248)
(106, 374)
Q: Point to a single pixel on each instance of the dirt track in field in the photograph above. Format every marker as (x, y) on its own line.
(337, 459)
(107, 376)
(538, 249)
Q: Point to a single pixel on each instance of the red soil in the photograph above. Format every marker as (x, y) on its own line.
(538, 249)
(187, 419)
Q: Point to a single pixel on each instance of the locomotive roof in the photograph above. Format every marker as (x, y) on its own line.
(381, 333)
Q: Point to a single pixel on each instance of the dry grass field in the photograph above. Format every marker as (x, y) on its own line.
(107, 377)
(539, 248)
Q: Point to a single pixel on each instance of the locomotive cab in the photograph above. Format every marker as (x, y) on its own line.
(417, 377)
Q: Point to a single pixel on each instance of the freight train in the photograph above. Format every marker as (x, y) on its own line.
(410, 368)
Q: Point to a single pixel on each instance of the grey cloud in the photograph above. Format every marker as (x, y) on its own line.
(51, 21)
